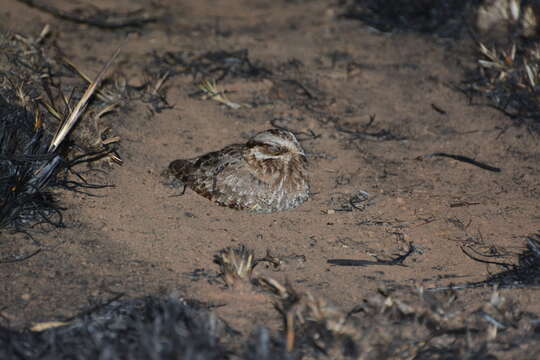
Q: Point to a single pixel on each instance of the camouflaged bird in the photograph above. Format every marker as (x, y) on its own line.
(265, 175)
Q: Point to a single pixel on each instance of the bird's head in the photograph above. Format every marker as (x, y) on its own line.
(276, 144)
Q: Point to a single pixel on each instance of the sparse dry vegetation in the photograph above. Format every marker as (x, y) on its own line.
(33, 153)
(393, 257)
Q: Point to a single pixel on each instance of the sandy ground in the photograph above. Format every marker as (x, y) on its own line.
(325, 73)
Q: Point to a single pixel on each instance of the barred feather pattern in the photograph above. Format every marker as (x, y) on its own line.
(265, 175)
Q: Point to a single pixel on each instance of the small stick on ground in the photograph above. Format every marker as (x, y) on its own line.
(396, 261)
(99, 18)
(463, 159)
(381, 135)
(16, 259)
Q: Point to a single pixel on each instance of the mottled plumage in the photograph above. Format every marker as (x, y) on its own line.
(266, 174)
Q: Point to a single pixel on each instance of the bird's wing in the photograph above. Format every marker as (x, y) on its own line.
(208, 170)
(235, 186)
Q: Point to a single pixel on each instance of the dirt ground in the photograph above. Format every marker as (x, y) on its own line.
(324, 74)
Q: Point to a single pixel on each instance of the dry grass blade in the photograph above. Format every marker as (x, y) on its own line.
(160, 83)
(42, 326)
(236, 265)
(52, 110)
(274, 286)
(79, 108)
(492, 55)
(490, 64)
(530, 75)
(101, 93)
(210, 88)
(515, 9)
(508, 78)
(513, 52)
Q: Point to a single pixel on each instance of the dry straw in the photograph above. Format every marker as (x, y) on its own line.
(78, 110)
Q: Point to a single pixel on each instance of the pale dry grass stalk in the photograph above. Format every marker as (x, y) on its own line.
(236, 265)
(75, 114)
(211, 90)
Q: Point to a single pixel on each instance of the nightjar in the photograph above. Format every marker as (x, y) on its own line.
(264, 175)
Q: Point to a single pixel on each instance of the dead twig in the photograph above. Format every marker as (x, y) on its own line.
(15, 259)
(358, 201)
(99, 18)
(505, 265)
(396, 261)
(300, 135)
(463, 203)
(463, 159)
(381, 135)
(438, 109)
(524, 274)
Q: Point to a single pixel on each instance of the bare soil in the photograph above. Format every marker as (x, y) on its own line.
(325, 74)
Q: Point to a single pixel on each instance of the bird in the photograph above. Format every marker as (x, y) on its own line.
(266, 174)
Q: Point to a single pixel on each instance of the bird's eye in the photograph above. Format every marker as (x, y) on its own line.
(274, 150)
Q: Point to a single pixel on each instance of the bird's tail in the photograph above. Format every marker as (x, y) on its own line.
(181, 169)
